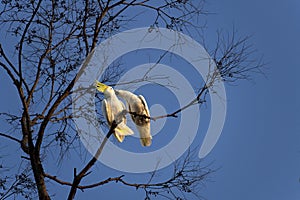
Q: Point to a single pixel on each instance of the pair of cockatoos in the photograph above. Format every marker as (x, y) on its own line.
(113, 109)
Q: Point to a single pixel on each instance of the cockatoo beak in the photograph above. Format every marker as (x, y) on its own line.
(100, 86)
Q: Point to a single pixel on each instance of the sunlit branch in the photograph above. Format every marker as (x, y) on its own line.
(84, 172)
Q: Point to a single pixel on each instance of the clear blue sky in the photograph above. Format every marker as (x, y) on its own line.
(259, 150)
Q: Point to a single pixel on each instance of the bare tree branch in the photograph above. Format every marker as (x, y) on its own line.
(23, 38)
(49, 40)
(187, 175)
(10, 137)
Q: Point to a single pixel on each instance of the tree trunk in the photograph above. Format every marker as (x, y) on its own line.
(38, 173)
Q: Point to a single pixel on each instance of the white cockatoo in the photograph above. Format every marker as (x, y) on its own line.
(113, 109)
(138, 105)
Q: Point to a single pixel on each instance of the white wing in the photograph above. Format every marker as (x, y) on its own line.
(145, 135)
(145, 105)
(106, 110)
